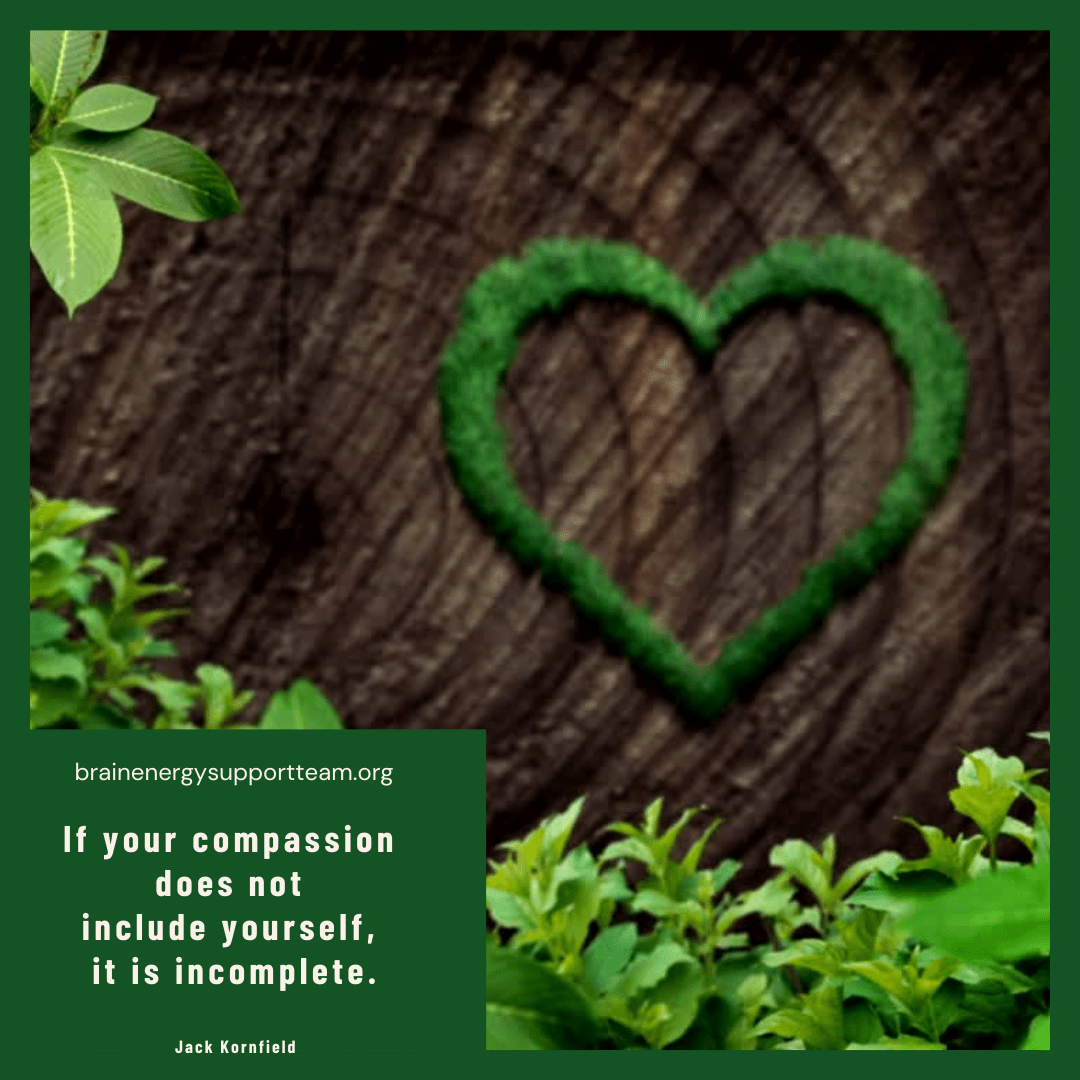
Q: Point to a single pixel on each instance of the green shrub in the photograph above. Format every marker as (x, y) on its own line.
(92, 650)
(947, 952)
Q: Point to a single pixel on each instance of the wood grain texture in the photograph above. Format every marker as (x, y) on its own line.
(257, 395)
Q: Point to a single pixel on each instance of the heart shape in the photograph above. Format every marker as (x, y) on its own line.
(511, 293)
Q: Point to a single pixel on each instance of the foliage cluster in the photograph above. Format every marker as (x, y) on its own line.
(88, 146)
(950, 951)
(92, 650)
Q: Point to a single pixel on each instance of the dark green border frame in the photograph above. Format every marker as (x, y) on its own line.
(14, 398)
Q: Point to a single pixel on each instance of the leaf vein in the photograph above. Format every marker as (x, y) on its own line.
(134, 168)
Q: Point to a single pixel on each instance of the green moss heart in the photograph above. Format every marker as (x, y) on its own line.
(510, 293)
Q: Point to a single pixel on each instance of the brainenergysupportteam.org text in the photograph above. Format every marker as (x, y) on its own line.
(188, 775)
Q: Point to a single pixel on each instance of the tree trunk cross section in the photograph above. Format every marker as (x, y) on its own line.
(257, 396)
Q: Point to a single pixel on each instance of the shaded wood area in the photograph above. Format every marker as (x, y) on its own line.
(258, 397)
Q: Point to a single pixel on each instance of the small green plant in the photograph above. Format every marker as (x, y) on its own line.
(947, 952)
(92, 650)
(89, 145)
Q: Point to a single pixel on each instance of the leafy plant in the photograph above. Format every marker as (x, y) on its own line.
(950, 951)
(89, 145)
(91, 650)
(91, 646)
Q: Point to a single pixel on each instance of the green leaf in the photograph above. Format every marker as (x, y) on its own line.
(104, 717)
(111, 107)
(902, 894)
(64, 60)
(56, 517)
(160, 649)
(689, 863)
(506, 909)
(38, 93)
(674, 1003)
(117, 576)
(148, 618)
(222, 702)
(53, 701)
(175, 697)
(723, 874)
(886, 861)
(75, 229)
(714, 1028)
(953, 858)
(557, 830)
(608, 955)
(656, 903)
(862, 1025)
(812, 954)
(532, 1008)
(1002, 916)
(1039, 1034)
(987, 808)
(632, 848)
(768, 899)
(859, 933)
(989, 785)
(613, 886)
(818, 1020)
(154, 169)
(647, 969)
(982, 768)
(987, 971)
(54, 565)
(46, 627)
(52, 665)
(302, 706)
(96, 626)
(810, 869)
(910, 987)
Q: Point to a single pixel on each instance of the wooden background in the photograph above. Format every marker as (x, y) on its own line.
(257, 395)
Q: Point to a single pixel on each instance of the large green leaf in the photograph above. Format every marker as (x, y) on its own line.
(75, 230)
(64, 60)
(1002, 916)
(153, 169)
(532, 1008)
(302, 706)
(111, 107)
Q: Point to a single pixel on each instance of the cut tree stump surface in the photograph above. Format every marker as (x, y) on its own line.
(257, 396)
